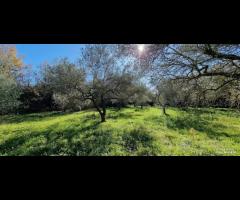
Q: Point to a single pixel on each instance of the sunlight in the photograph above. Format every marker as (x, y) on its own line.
(141, 48)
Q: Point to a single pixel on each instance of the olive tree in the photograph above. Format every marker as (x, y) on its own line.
(194, 61)
(9, 94)
(107, 76)
(63, 79)
(140, 96)
(203, 68)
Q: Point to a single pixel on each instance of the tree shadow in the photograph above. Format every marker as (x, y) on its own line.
(83, 139)
(199, 123)
(186, 122)
(120, 116)
(139, 142)
(212, 111)
(110, 115)
(123, 115)
(8, 119)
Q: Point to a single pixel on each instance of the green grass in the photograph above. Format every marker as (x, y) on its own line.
(129, 131)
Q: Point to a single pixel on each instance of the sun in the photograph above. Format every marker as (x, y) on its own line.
(141, 48)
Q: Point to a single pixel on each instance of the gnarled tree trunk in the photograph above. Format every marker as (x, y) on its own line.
(102, 112)
(164, 109)
(103, 116)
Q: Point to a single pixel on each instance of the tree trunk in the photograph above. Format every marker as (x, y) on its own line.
(103, 115)
(164, 109)
(102, 112)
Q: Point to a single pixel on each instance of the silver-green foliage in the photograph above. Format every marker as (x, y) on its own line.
(9, 94)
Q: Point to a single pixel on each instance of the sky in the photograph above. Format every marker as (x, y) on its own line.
(36, 54)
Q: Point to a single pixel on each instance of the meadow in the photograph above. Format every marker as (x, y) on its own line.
(128, 132)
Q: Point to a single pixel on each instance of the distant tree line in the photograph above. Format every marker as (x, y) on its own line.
(180, 75)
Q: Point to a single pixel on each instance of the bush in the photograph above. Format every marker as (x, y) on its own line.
(9, 94)
(36, 99)
(70, 101)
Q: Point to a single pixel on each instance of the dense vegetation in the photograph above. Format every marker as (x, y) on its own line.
(107, 102)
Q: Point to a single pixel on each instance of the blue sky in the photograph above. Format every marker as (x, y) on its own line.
(36, 54)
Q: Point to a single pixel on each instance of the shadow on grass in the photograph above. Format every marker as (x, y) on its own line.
(199, 123)
(139, 142)
(8, 119)
(79, 139)
(49, 142)
(122, 115)
(212, 111)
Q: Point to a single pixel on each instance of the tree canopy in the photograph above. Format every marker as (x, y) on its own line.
(120, 75)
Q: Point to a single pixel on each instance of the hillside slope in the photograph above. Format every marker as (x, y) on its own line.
(129, 131)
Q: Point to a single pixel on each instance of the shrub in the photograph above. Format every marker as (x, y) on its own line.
(9, 94)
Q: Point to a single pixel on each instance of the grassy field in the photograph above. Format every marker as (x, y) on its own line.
(129, 131)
